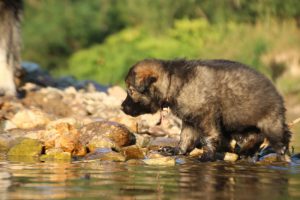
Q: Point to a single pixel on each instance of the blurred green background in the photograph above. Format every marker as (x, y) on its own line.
(101, 39)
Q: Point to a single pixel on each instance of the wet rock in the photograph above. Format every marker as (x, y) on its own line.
(134, 152)
(105, 154)
(159, 142)
(268, 158)
(26, 147)
(230, 157)
(135, 162)
(30, 118)
(101, 142)
(6, 142)
(296, 158)
(196, 153)
(67, 139)
(165, 161)
(154, 154)
(56, 154)
(115, 132)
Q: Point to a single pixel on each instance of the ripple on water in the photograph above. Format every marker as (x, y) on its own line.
(106, 180)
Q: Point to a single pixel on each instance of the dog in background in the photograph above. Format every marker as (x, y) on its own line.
(10, 18)
(217, 100)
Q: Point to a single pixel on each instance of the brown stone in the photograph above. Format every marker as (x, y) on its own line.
(134, 152)
(117, 133)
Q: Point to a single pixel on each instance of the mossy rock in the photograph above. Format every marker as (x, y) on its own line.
(26, 147)
(55, 156)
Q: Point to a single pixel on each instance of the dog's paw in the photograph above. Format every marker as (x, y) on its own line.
(207, 157)
(169, 151)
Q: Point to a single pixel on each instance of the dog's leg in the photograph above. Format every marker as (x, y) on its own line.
(189, 138)
(277, 133)
(249, 143)
(210, 139)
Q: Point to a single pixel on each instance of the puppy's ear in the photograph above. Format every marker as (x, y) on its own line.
(146, 83)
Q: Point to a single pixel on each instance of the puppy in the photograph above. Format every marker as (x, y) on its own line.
(10, 17)
(217, 100)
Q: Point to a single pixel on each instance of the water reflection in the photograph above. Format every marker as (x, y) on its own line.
(79, 180)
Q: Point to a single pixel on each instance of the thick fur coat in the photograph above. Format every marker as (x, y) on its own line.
(217, 100)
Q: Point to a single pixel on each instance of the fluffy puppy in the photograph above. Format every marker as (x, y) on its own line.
(217, 100)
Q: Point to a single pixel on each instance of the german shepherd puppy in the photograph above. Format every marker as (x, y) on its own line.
(217, 100)
(10, 17)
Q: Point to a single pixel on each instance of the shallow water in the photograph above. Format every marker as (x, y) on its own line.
(98, 180)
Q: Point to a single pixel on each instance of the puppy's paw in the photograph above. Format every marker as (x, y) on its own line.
(207, 157)
(169, 151)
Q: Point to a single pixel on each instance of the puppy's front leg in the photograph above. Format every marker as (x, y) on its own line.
(211, 140)
(189, 138)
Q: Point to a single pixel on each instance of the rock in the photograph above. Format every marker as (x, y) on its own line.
(101, 142)
(135, 162)
(154, 154)
(148, 120)
(26, 147)
(296, 158)
(117, 92)
(117, 133)
(30, 118)
(268, 158)
(6, 142)
(158, 142)
(68, 139)
(130, 122)
(165, 161)
(105, 154)
(67, 120)
(60, 135)
(196, 153)
(133, 152)
(231, 157)
(56, 154)
(8, 125)
(50, 100)
(142, 140)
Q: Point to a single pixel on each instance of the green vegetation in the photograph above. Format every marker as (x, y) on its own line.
(101, 39)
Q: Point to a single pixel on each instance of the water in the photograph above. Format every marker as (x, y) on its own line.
(100, 180)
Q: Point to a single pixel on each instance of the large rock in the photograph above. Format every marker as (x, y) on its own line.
(108, 131)
(66, 137)
(26, 147)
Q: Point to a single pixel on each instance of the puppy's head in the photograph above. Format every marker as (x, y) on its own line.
(141, 83)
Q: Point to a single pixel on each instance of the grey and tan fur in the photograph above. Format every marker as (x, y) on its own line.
(10, 17)
(217, 100)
